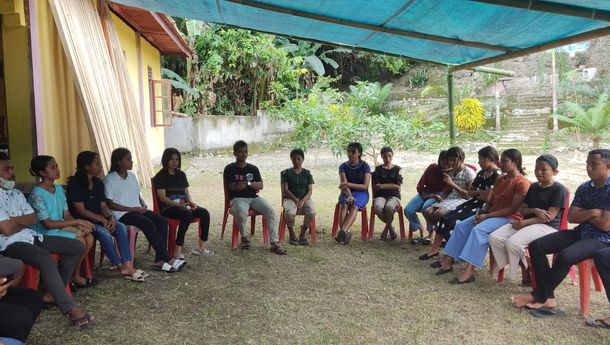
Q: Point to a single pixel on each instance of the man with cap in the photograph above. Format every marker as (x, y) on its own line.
(542, 209)
(591, 209)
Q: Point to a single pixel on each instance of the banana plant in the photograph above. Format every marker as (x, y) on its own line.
(593, 122)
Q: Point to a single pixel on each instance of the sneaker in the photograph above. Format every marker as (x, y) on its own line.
(303, 242)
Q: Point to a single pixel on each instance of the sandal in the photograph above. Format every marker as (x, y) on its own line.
(136, 277)
(416, 240)
(205, 252)
(245, 243)
(341, 236)
(427, 241)
(179, 264)
(547, 312)
(83, 320)
(442, 271)
(164, 268)
(294, 241)
(348, 238)
(303, 242)
(428, 256)
(278, 250)
(598, 323)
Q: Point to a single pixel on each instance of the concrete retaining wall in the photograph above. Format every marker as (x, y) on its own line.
(211, 132)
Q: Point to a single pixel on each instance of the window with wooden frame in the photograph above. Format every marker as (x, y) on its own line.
(161, 103)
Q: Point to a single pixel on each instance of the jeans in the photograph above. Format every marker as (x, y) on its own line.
(570, 249)
(106, 242)
(469, 241)
(417, 204)
(602, 263)
(185, 216)
(154, 228)
(19, 309)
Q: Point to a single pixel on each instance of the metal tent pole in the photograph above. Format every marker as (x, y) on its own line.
(450, 104)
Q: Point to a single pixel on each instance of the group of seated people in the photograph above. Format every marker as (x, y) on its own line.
(466, 211)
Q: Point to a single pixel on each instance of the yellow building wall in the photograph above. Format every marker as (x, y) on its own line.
(66, 132)
(150, 57)
(18, 82)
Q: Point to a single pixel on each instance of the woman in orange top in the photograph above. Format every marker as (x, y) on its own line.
(469, 241)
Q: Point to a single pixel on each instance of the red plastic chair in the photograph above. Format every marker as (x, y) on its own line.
(563, 225)
(401, 222)
(365, 230)
(586, 270)
(31, 276)
(172, 223)
(251, 213)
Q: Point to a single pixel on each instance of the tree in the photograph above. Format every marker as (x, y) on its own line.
(593, 122)
(329, 118)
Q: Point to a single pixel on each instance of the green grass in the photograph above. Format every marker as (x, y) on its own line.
(364, 293)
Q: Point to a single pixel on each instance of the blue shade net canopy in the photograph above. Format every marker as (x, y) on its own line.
(458, 33)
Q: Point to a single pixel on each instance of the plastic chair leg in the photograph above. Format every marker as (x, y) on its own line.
(597, 280)
(224, 223)
(312, 230)
(282, 227)
(265, 230)
(401, 222)
(584, 276)
(235, 237)
(30, 277)
(371, 232)
(365, 225)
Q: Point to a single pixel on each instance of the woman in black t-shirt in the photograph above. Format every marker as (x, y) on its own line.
(542, 210)
(387, 179)
(175, 202)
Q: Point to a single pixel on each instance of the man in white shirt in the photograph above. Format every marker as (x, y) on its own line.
(19, 242)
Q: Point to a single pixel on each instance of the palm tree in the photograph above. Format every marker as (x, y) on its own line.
(593, 122)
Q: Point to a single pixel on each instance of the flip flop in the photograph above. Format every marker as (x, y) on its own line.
(278, 250)
(142, 273)
(164, 268)
(83, 320)
(456, 281)
(136, 277)
(547, 312)
(598, 323)
(179, 264)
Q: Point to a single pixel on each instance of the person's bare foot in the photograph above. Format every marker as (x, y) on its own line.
(464, 276)
(520, 301)
(550, 303)
(79, 280)
(79, 317)
(48, 298)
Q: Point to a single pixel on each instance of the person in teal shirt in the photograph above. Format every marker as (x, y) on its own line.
(49, 202)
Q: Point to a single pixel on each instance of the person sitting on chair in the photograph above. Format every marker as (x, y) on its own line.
(19, 307)
(591, 209)
(297, 187)
(354, 179)
(387, 179)
(18, 241)
(244, 181)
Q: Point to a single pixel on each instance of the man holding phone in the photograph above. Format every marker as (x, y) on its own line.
(19, 307)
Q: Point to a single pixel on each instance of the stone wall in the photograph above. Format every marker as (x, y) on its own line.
(190, 134)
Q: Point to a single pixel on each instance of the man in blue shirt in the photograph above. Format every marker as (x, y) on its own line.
(591, 209)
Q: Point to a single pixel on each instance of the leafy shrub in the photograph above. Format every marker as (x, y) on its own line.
(592, 121)
(469, 115)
